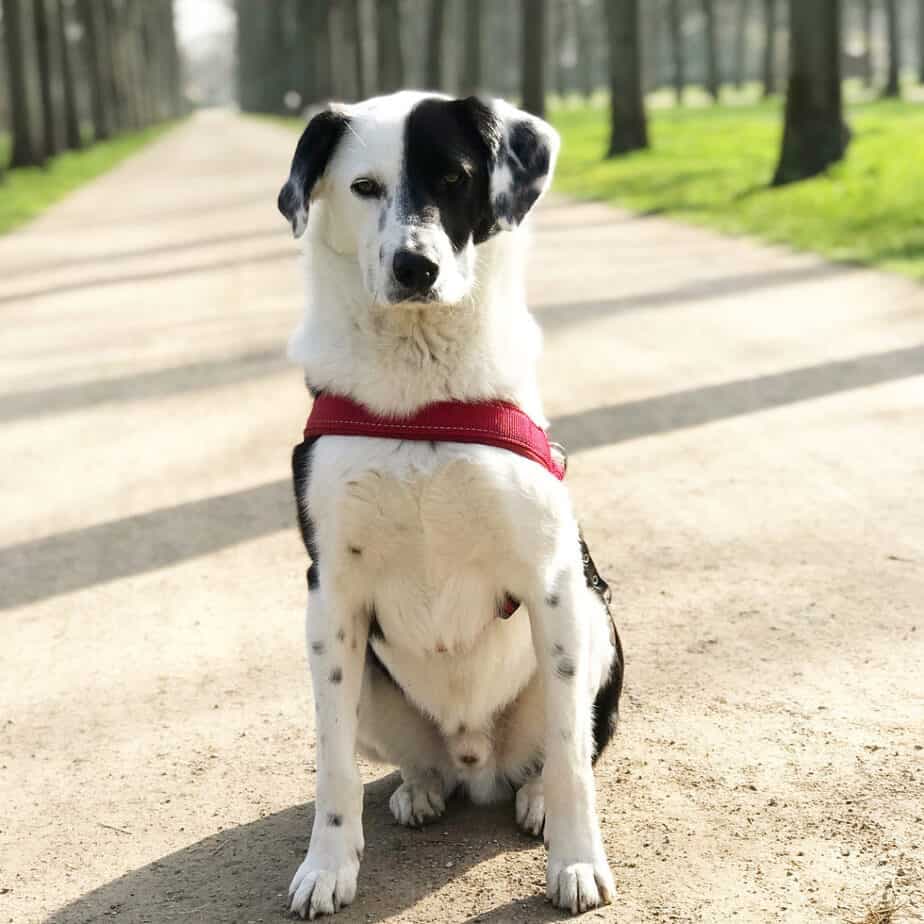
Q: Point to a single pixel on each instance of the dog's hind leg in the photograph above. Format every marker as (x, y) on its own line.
(394, 731)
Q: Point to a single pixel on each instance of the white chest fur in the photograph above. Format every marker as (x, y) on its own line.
(431, 538)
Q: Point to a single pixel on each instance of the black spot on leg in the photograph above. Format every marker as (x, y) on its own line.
(462, 729)
(336, 675)
(557, 650)
(341, 635)
(565, 668)
(317, 647)
(552, 600)
(334, 820)
(355, 550)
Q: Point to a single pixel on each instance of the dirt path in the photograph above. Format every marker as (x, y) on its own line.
(747, 436)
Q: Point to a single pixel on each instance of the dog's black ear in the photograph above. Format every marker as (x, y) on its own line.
(522, 151)
(312, 153)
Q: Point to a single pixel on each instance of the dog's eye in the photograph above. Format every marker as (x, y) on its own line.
(453, 178)
(366, 188)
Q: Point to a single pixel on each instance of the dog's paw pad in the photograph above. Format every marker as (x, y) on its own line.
(316, 890)
(530, 807)
(578, 887)
(417, 802)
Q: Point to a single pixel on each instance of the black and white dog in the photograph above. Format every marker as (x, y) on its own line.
(416, 295)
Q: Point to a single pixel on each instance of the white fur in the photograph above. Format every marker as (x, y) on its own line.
(433, 538)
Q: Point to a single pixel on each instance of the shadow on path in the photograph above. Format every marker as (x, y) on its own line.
(242, 874)
(158, 383)
(84, 557)
(700, 290)
(603, 426)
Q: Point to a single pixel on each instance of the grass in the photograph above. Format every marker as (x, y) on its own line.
(712, 166)
(27, 191)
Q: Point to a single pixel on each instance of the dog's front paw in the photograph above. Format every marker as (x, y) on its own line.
(530, 805)
(418, 801)
(324, 883)
(578, 887)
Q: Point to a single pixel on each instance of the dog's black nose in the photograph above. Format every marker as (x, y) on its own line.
(414, 271)
(469, 759)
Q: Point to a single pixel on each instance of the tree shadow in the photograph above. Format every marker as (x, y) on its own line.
(242, 874)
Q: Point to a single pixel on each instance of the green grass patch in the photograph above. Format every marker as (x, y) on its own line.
(27, 191)
(713, 165)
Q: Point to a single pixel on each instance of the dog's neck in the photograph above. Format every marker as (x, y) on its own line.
(396, 359)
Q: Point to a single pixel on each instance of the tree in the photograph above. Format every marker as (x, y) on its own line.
(90, 13)
(389, 59)
(713, 76)
(921, 41)
(436, 29)
(471, 61)
(628, 125)
(25, 117)
(532, 82)
(46, 48)
(558, 38)
(68, 78)
(741, 42)
(892, 88)
(770, 45)
(585, 51)
(867, 12)
(675, 16)
(814, 134)
(355, 32)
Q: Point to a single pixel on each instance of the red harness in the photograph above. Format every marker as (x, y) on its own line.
(490, 423)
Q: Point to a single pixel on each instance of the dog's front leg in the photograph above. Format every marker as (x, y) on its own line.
(337, 634)
(578, 876)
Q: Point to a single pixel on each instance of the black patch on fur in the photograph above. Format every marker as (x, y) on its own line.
(341, 635)
(606, 702)
(355, 551)
(443, 137)
(312, 153)
(334, 820)
(301, 473)
(565, 668)
(375, 630)
(552, 600)
(336, 675)
(317, 647)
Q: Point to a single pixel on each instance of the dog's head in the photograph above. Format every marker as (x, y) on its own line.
(411, 184)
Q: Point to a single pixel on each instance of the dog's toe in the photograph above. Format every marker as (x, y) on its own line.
(315, 890)
(418, 801)
(578, 887)
(530, 807)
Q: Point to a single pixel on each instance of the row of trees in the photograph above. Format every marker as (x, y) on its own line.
(82, 70)
(292, 53)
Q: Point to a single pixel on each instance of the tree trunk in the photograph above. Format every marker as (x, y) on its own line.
(585, 51)
(24, 97)
(921, 41)
(471, 61)
(892, 88)
(713, 75)
(770, 46)
(100, 101)
(675, 14)
(71, 115)
(741, 43)
(867, 13)
(436, 29)
(322, 48)
(354, 30)
(389, 60)
(46, 49)
(814, 134)
(532, 76)
(628, 126)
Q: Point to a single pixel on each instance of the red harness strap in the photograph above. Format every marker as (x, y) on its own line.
(490, 423)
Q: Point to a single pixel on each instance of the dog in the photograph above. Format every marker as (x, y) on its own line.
(413, 206)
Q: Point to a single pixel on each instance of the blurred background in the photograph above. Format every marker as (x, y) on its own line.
(699, 85)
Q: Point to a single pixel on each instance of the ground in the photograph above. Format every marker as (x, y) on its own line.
(713, 165)
(746, 455)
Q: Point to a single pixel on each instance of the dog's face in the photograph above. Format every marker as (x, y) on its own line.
(413, 183)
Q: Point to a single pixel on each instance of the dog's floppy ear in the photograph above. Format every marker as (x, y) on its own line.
(312, 153)
(522, 152)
